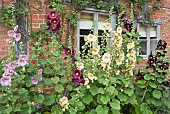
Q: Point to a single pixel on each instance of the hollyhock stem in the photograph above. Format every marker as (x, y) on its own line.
(145, 92)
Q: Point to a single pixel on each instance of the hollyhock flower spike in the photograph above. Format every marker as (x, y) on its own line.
(5, 81)
(52, 14)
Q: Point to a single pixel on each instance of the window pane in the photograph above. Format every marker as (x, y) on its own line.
(82, 42)
(87, 16)
(84, 31)
(153, 31)
(143, 49)
(142, 31)
(100, 32)
(142, 38)
(103, 18)
(153, 45)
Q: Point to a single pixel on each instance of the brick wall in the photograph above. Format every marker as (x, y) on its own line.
(38, 17)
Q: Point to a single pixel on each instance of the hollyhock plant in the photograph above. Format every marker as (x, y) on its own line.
(23, 60)
(5, 81)
(67, 50)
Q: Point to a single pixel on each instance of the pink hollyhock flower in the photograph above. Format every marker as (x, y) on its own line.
(35, 81)
(12, 65)
(5, 81)
(22, 61)
(11, 33)
(52, 14)
(10, 72)
(40, 71)
(18, 37)
(77, 73)
(7, 40)
(16, 28)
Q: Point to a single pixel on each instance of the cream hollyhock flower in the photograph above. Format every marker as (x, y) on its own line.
(130, 45)
(103, 64)
(106, 57)
(118, 72)
(107, 27)
(91, 77)
(79, 65)
(119, 30)
(91, 38)
(122, 56)
(63, 101)
(118, 62)
(95, 50)
(86, 81)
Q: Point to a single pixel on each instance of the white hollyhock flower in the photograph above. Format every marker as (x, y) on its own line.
(130, 45)
(91, 38)
(106, 58)
(63, 101)
(119, 30)
(95, 50)
(79, 65)
(91, 77)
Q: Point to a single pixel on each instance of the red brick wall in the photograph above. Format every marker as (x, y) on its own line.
(38, 17)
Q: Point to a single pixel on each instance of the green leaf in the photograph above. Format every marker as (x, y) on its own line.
(157, 94)
(72, 110)
(103, 81)
(47, 70)
(59, 88)
(39, 98)
(87, 99)
(148, 77)
(57, 67)
(101, 90)
(22, 91)
(93, 90)
(115, 104)
(55, 80)
(153, 84)
(3, 99)
(63, 80)
(49, 100)
(101, 110)
(17, 107)
(110, 89)
(56, 53)
(47, 81)
(122, 97)
(33, 55)
(51, 60)
(143, 107)
(126, 81)
(56, 110)
(129, 92)
(104, 99)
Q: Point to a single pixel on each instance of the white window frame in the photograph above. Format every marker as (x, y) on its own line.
(96, 13)
(148, 40)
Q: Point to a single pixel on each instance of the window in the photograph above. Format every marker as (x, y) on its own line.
(148, 39)
(85, 24)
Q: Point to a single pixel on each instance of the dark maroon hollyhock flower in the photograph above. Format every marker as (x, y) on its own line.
(160, 42)
(77, 73)
(167, 83)
(158, 54)
(165, 65)
(67, 50)
(49, 23)
(52, 14)
(54, 21)
(161, 67)
(140, 75)
(151, 66)
(161, 45)
(122, 16)
(53, 29)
